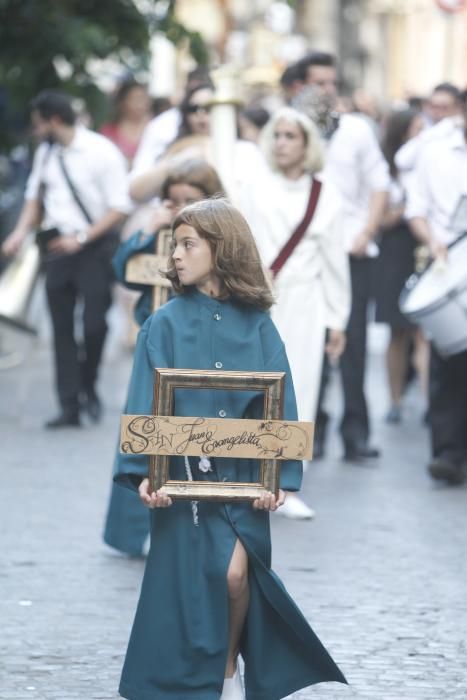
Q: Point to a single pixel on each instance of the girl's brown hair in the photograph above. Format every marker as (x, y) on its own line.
(236, 259)
(196, 173)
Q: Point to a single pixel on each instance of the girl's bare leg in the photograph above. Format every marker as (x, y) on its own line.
(239, 597)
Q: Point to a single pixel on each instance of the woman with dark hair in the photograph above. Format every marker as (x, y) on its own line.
(395, 265)
(194, 140)
(132, 111)
(191, 142)
(194, 111)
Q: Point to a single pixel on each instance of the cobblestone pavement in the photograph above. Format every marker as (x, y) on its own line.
(380, 573)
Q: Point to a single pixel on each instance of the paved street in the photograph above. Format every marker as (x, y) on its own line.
(381, 573)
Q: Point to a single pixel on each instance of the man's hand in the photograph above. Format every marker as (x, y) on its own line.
(13, 243)
(269, 501)
(335, 345)
(64, 245)
(154, 499)
(360, 244)
(438, 250)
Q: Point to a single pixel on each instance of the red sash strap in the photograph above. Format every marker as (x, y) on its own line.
(299, 232)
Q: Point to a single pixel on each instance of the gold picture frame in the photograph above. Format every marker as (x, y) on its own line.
(269, 439)
(166, 381)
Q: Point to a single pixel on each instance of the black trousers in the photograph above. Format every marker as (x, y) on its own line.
(84, 276)
(355, 426)
(448, 406)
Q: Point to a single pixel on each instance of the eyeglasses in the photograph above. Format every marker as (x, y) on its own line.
(194, 109)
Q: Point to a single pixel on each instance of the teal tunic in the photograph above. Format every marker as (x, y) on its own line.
(137, 243)
(179, 640)
(127, 521)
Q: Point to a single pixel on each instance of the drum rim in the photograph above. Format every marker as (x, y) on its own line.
(416, 277)
(452, 349)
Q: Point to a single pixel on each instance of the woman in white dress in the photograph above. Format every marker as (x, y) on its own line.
(313, 286)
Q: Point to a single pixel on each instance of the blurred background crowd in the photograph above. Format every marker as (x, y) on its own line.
(369, 94)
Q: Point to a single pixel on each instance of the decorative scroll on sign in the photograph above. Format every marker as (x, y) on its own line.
(216, 437)
(268, 439)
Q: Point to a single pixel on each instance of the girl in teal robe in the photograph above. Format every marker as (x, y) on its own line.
(127, 522)
(193, 617)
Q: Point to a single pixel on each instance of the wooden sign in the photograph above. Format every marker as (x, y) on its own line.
(145, 268)
(215, 437)
(269, 439)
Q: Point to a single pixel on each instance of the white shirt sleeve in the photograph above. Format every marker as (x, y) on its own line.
(373, 166)
(335, 275)
(33, 183)
(406, 156)
(158, 134)
(418, 193)
(113, 179)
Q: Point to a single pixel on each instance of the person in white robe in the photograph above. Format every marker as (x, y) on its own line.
(313, 287)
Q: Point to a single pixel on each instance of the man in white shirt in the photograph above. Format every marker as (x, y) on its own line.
(356, 165)
(445, 109)
(78, 187)
(440, 180)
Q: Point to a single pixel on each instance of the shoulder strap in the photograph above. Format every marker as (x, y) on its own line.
(72, 188)
(299, 232)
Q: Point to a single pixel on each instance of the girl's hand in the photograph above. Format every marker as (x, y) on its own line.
(160, 218)
(156, 499)
(269, 501)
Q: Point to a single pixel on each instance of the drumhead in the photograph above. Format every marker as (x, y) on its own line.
(438, 281)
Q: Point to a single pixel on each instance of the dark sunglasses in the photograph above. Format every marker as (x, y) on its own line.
(194, 109)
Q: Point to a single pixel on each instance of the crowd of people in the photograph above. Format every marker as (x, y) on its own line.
(345, 203)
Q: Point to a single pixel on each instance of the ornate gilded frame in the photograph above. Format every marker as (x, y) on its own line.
(166, 381)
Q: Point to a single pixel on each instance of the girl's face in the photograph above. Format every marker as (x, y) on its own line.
(289, 145)
(193, 260)
(198, 112)
(182, 194)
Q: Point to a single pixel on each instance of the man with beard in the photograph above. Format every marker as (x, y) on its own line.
(355, 165)
(78, 188)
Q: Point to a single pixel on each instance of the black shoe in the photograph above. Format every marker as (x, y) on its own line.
(92, 405)
(66, 419)
(356, 452)
(443, 469)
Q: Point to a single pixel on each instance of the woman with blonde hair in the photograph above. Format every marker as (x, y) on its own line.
(295, 216)
(209, 594)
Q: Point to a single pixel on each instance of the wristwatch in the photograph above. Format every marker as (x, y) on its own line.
(82, 237)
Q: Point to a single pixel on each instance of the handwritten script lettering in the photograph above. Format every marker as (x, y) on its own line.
(175, 435)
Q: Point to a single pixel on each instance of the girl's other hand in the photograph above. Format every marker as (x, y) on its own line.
(156, 499)
(269, 501)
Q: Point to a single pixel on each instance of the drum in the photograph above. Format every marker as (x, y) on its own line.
(436, 300)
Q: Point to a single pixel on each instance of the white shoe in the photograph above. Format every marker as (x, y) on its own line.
(233, 688)
(295, 509)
